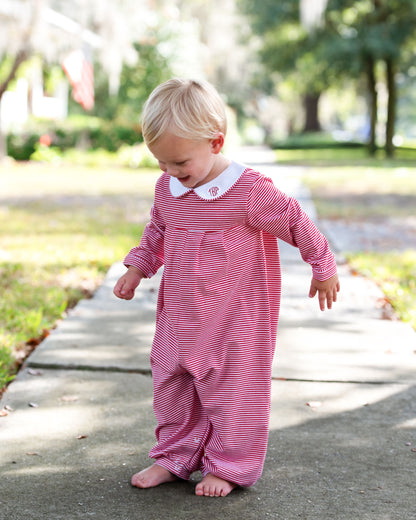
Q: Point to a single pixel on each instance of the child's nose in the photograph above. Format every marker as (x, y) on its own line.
(171, 170)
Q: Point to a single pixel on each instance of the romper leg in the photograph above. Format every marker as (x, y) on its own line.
(182, 424)
(237, 401)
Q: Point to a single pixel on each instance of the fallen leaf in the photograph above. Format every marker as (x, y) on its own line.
(8, 408)
(82, 436)
(34, 342)
(33, 453)
(34, 405)
(413, 449)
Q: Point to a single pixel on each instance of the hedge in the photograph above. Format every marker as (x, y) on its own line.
(77, 132)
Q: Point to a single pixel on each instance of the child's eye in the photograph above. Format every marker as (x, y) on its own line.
(182, 163)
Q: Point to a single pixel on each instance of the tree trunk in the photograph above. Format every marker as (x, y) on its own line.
(311, 105)
(371, 80)
(391, 107)
(20, 57)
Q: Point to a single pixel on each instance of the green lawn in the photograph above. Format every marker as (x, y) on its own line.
(396, 274)
(349, 185)
(60, 230)
(345, 156)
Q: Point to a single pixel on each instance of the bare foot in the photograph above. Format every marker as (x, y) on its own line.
(152, 477)
(212, 486)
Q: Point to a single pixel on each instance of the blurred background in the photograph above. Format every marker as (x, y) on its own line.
(328, 85)
(343, 69)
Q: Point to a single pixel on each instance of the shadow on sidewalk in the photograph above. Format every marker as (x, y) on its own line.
(92, 431)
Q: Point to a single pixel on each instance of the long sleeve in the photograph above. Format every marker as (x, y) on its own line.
(281, 216)
(149, 255)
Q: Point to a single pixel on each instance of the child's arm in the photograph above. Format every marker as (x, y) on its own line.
(148, 256)
(126, 284)
(327, 291)
(282, 216)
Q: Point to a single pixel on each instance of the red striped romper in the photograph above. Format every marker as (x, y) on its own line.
(217, 315)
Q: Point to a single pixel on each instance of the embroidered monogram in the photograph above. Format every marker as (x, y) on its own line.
(215, 188)
(214, 191)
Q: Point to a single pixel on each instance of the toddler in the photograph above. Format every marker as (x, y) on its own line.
(214, 227)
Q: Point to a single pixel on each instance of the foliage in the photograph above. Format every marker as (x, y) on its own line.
(328, 163)
(360, 28)
(323, 140)
(264, 15)
(31, 302)
(362, 33)
(137, 82)
(22, 146)
(395, 273)
(355, 35)
(7, 365)
(76, 131)
(135, 156)
(290, 52)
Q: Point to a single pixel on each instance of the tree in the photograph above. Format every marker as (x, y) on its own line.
(351, 40)
(288, 48)
(137, 81)
(364, 33)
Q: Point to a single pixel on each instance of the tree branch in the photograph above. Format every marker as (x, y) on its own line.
(20, 57)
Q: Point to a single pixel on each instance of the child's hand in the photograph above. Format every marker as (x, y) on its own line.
(327, 291)
(126, 285)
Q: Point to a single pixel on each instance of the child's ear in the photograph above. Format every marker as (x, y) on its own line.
(217, 143)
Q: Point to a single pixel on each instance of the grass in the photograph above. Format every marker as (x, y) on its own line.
(346, 184)
(346, 156)
(357, 192)
(60, 230)
(396, 275)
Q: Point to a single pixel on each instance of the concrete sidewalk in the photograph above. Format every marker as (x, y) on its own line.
(342, 433)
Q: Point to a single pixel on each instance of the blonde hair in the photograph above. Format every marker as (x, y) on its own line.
(186, 108)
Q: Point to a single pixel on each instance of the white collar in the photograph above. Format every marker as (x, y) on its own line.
(212, 189)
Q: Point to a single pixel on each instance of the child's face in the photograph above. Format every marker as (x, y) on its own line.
(192, 162)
